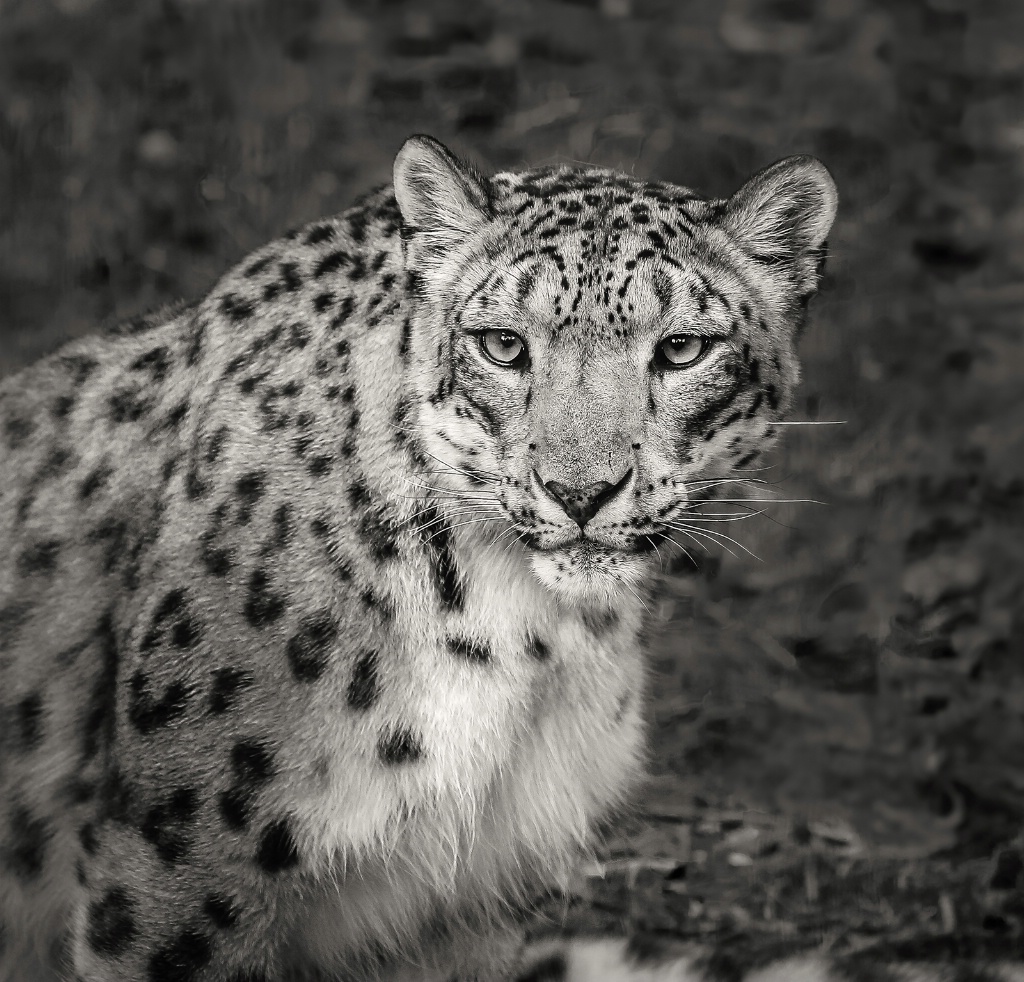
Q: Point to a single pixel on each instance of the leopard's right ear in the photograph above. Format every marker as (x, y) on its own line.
(442, 199)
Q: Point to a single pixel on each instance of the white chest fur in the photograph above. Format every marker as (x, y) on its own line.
(527, 741)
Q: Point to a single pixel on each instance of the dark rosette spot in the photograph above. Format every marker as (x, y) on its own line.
(226, 683)
(147, 714)
(24, 849)
(474, 651)
(363, 689)
(262, 605)
(309, 649)
(167, 825)
(111, 923)
(182, 960)
(277, 850)
(399, 745)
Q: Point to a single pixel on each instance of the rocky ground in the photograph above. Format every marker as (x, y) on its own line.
(838, 724)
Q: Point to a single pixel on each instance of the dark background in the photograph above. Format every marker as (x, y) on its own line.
(838, 726)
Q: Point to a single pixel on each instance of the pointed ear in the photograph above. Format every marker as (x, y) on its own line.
(440, 197)
(783, 214)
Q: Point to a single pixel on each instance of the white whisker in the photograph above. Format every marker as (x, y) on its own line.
(718, 537)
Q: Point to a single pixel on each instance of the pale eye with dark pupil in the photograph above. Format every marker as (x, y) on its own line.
(503, 347)
(681, 350)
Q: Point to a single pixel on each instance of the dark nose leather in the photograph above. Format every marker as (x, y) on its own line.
(582, 504)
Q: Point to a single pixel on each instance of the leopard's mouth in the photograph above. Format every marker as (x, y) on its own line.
(588, 551)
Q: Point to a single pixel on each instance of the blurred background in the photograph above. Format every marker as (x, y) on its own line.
(838, 719)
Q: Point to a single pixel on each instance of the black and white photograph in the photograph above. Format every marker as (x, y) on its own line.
(511, 491)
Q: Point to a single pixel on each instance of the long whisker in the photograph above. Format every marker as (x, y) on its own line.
(718, 538)
(491, 478)
(475, 521)
(696, 542)
(444, 519)
(722, 516)
(683, 550)
(633, 591)
(449, 491)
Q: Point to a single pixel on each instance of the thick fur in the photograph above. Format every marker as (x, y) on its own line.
(305, 672)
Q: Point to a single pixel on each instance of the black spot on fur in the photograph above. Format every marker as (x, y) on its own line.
(28, 718)
(195, 486)
(277, 850)
(330, 263)
(215, 444)
(538, 649)
(398, 746)
(282, 525)
(234, 807)
(17, 430)
(218, 560)
(99, 723)
(221, 911)
(95, 480)
(553, 968)
(322, 301)
(249, 489)
(182, 960)
(87, 838)
(383, 605)
(290, 277)
(236, 308)
(258, 266)
(39, 558)
(129, 405)
(62, 406)
(403, 345)
(23, 851)
(309, 649)
(358, 495)
(262, 605)
(251, 763)
(356, 269)
(110, 924)
(320, 233)
(437, 537)
(172, 621)
(167, 825)
(380, 534)
(155, 362)
(226, 683)
(147, 714)
(298, 337)
(363, 690)
(474, 651)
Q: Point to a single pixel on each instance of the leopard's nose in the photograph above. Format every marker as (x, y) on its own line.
(582, 504)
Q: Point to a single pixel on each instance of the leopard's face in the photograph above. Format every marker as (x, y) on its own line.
(590, 361)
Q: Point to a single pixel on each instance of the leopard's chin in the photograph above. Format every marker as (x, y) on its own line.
(585, 572)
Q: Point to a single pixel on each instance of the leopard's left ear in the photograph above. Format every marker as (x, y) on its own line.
(441, 198)
(783, 214)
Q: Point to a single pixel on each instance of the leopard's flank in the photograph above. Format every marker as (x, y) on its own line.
(322, 599)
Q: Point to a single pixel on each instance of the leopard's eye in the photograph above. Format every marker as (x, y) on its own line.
(680, 351)
(505, 348)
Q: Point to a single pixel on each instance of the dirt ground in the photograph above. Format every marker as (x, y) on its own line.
(837, 719)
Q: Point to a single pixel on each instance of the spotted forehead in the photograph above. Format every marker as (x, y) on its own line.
(599, 252)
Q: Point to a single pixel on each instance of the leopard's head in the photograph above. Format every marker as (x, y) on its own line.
(591, 353)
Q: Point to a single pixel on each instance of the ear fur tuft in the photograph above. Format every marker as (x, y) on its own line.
(783, 214)
(439, 196)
